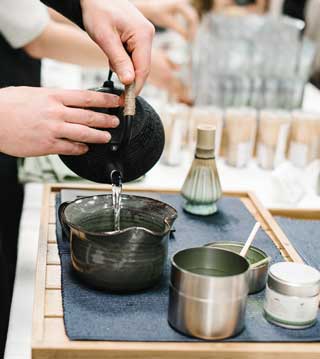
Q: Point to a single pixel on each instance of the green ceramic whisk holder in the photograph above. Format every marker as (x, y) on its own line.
(200, 209)
(202, 188)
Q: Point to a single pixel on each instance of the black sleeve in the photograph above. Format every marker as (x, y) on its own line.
(295, 8)
(69, 8)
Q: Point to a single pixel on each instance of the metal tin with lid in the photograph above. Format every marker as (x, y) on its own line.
(292, 295)
(208, 292)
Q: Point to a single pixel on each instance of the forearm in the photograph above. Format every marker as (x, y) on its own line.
(64, 43)
(56, 16)
(68, 8)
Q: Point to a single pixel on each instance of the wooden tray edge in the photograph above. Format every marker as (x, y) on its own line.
(40, 272)
(243, 350)
(310, 214)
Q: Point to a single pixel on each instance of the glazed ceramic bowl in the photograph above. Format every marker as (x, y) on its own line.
(128, 260)
(258, 274)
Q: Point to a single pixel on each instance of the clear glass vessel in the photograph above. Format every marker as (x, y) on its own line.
(292, 295)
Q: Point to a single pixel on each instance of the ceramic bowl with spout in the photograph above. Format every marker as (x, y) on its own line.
(127, 260)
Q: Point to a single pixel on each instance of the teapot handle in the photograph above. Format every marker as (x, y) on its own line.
(130, 100)
(129, 111)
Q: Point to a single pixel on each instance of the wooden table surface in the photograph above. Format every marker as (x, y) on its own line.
(50, 340)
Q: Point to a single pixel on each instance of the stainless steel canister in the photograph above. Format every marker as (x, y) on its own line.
(258, 273)
(208, 292)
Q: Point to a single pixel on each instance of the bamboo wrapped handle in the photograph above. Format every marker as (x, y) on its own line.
(130, 100)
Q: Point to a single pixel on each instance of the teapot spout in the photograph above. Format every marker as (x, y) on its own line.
(116, 178)
(114, 173)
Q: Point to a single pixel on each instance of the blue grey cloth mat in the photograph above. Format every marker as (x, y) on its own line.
(96, 315)
(305, 237)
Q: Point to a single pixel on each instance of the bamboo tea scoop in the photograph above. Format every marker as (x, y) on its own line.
(250, 239)
(260, 263)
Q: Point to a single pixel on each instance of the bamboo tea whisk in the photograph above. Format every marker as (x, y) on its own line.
(202, 188)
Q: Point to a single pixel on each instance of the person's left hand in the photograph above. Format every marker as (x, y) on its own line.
(166, 13)
(163, 74)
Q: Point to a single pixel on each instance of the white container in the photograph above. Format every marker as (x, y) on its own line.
(273, 136)
(292, 295)
(305, 138)
(240, 131)
(176, 121)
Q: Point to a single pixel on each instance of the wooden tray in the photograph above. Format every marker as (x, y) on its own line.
(48, 335)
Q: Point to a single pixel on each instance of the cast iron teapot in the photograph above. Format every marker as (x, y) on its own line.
(135, 147)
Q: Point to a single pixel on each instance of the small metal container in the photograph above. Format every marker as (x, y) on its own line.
(258, 274)
(208, 293)
(292, 295)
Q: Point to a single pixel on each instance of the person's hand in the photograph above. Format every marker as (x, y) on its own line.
(166, 13)
(38, 121)
(119, 28)
(163, 74)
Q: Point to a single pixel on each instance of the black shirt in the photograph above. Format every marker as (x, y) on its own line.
(17, 68)
(69, 8)
(294, 8)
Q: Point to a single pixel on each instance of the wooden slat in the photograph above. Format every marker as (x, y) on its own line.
(52, 233)
(53, 277)
(287, 249)
(256, 214)
(53, 254)
(52, 215)
(252, 207)
(57, 187)
(310, 214)
(52, 199)
(40, 276)
(53, 303)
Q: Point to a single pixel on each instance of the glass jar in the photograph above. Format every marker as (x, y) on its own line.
(240, 131)
(305, 138)
(176, 121)
(273, 136)
(292, 295)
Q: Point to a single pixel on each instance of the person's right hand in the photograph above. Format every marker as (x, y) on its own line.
(38, 121)
(124, 35)
(166, 13)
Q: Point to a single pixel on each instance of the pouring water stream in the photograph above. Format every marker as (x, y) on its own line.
(116, 180)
